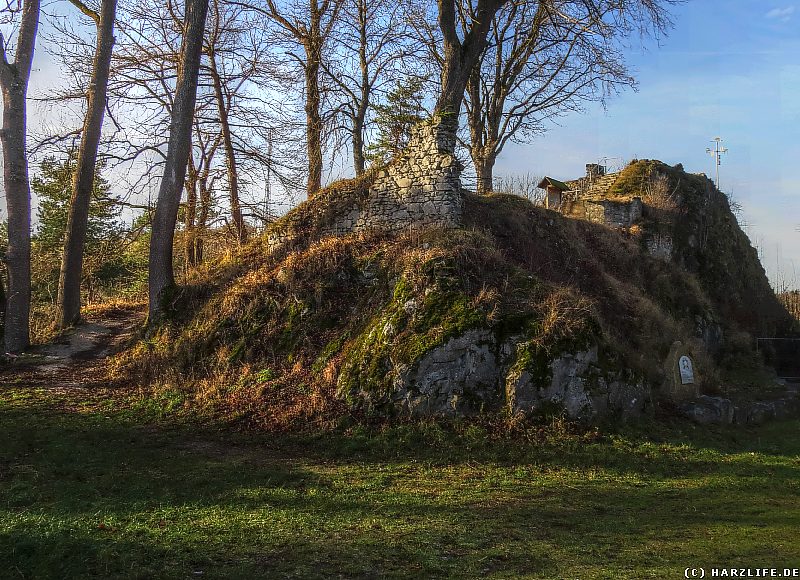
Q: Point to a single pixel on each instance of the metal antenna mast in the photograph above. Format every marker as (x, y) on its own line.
(717, 154)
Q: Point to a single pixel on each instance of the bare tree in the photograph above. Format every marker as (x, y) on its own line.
(238, 99)
(791, 301)
(139, 92)
(199, 187)
(14, 77)
(368, 47)
(236, 96)
(521, 184)
(544, 58)
(462, 47)
(219, 26)
(309, 23)
(161, 274)
(69, 287)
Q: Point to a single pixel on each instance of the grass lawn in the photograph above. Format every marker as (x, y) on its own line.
(92, 491)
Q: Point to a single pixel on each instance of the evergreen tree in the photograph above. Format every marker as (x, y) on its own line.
(403, 109)
(53, 190)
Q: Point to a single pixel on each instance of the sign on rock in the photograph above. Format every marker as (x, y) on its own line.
(686, 370)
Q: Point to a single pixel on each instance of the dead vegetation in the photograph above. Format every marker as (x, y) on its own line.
(264, 338)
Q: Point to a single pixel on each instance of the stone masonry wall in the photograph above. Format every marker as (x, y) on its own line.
(614, 213)
(419, 189)
(422, 187)
(660, 246)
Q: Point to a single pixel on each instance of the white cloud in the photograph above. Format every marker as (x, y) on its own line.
(782, 14)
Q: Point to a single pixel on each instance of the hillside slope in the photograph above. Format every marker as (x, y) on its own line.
(520, 311)
(707, 241)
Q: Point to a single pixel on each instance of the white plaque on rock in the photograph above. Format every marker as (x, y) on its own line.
(686, 370)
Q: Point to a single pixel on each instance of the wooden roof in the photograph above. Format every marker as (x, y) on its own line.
(550, 182)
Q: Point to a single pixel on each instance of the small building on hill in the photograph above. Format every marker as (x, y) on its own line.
(554, 191)
(590, 198)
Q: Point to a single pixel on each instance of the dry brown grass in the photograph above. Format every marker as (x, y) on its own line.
(259, 337)
(642, 305)
(660, 194)
(43, 322)
(564, 314)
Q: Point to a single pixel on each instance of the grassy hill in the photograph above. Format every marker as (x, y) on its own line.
(325, 329)
(709, 243)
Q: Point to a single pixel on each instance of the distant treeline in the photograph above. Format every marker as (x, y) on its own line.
(791, 300)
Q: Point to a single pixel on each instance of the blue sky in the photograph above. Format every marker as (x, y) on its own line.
(728, 69)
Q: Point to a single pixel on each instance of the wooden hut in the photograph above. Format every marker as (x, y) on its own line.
(555, 190)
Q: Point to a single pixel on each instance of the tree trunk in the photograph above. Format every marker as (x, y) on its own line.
(477, 131)
(461, 57)
(69, 284)
(358, 146)
(202, 220)
(2, 307)
(484, 171)
(230, 154)
(14, 83)
(455, 75)
(484, 126)
(312, 44)
(18, 200)
(189, 218)
(161, 273)
(313, 119)
(363, 104)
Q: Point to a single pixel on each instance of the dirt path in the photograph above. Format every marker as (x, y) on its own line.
(76, 358)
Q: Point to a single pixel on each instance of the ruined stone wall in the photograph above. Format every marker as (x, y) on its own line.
(330, 213)
(622, 214)
(421, 188)
(611, 213)
(594, 212)
(574, 209)
(660, 246)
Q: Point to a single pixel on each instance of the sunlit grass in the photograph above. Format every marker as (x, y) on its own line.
(90, 491)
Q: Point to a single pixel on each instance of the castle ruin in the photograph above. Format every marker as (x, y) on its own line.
(588, 198)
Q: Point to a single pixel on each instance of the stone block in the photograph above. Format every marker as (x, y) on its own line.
(710, 410)
(681, 381)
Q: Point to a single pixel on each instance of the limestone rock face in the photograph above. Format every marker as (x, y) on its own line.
(474, 372)
(576, 385)
(707, 410)
(458, 378)
(719, 410)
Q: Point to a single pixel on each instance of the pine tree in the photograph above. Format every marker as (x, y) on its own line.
(53, 190)
(395, 118)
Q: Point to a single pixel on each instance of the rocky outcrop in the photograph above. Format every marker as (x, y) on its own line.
(575, 383)
(722, 411)
(474, 373)
(458, 378)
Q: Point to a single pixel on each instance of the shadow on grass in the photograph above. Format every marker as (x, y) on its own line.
(91, 495)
